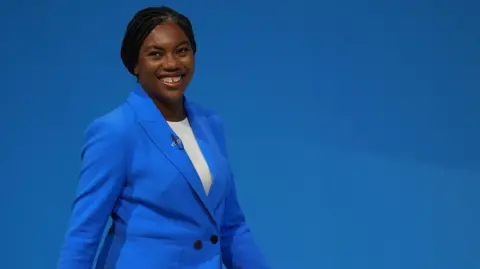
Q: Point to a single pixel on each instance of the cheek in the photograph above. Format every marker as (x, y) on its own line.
(147, 66)
(151, 67)
(188, 62)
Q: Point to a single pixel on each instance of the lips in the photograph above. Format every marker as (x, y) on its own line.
(172, 80)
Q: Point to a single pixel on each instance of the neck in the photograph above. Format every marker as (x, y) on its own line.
(171, 110)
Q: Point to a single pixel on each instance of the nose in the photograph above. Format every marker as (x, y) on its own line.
(171, 62)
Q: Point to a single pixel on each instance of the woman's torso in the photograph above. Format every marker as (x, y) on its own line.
(163, 217)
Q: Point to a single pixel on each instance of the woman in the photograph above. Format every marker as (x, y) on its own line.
(158, 166)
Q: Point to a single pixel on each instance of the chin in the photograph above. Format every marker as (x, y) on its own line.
(171, 94)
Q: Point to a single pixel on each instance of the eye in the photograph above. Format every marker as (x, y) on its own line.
(183, 51)
(155, 54)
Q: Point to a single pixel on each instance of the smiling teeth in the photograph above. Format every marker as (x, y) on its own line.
(171, 79)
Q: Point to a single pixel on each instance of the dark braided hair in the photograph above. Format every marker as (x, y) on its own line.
(142, 24)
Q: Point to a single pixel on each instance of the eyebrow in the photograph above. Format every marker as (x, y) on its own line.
(154, 46)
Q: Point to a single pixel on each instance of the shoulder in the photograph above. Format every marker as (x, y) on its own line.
(208, 114)
(107, 140)
(115, 124)
(214, 121)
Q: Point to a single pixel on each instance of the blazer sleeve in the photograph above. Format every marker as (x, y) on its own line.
(239, 250)
(102, 177)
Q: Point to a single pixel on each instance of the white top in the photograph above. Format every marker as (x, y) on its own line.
(183, 130)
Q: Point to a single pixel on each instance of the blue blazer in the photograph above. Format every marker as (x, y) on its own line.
(161, 216)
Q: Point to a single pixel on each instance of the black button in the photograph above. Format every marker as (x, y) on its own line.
(197, 244)
(214, 239)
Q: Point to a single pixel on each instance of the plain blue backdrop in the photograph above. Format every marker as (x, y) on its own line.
(353, 126)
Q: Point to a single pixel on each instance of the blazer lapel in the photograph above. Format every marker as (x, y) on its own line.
(160, 132)
(207, 144)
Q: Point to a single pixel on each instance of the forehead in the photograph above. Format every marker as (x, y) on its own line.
(166, 35)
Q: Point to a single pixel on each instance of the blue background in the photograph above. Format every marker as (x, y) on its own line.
(353, 126)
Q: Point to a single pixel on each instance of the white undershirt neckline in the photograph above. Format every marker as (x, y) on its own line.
(184, 131)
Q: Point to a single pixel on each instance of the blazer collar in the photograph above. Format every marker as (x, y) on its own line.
(145, 108)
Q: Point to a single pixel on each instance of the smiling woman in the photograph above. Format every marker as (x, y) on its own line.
(159, 49)
(165, 56)
(158, 166)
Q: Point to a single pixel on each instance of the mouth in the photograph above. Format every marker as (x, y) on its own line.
(172, 80)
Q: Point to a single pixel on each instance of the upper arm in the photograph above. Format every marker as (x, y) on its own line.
(234, 219)
(102, 177)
